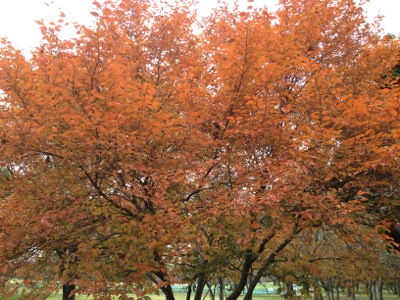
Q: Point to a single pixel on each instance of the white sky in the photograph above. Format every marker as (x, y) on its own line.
(17, 17)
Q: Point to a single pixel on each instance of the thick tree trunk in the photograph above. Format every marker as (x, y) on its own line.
(200, 286)
(256, 279)
(221, 288)
(237, 290)
(68, 291)
(250, 259)
(168, 292)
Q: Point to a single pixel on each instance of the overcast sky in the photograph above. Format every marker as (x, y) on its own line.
(17, 17)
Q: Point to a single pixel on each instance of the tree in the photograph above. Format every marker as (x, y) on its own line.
(142, 153)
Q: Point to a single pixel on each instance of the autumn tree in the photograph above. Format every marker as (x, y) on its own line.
(153, 149)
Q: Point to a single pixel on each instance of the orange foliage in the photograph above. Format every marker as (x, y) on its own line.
(153, 150)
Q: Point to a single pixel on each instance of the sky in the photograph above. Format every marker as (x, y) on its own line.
(17, 17)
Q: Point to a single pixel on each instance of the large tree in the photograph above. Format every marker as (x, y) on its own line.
(152, 149)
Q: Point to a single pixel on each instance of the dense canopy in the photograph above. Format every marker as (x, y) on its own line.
(156, 149)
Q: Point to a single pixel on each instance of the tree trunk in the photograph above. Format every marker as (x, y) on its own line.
(331, 287)
(237, 290)
(328, 295)
(249, 260)
(253, 283)
(221, 288)
(200, 286)
(317, 290)
(68, 291)
(212, 293)
(337, 292)
(249, 280)
(168, 292)
(369, 291)
(289, 289)
(325, 285)
(379, 289)
(353, 293)
(256, 279)
(189, 292)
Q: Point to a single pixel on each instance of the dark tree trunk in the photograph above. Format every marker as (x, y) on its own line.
(68, 291)
(248, 284)
(168, 292)
(289, 289)
(200, 286)
(189, 292)
(251, 257)
(237, 290)
(212, 293)
(253, 283)
(221, 288)
(256, 279)
(167, 289)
